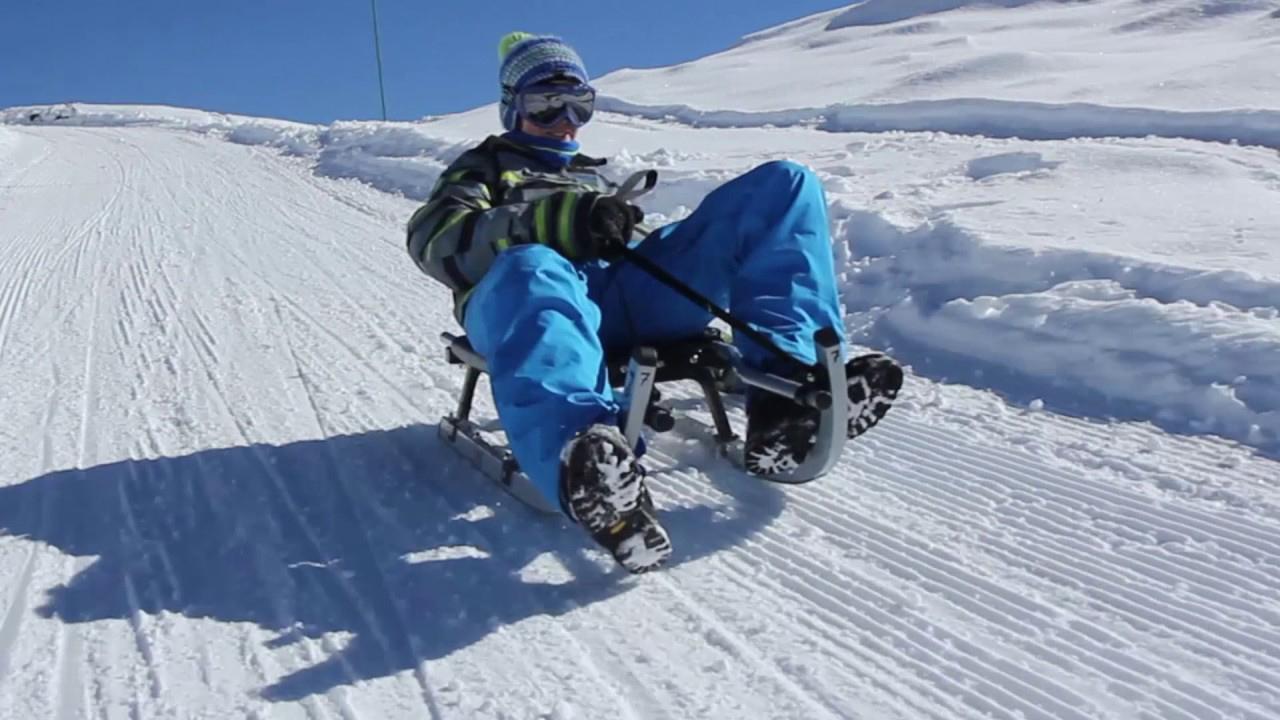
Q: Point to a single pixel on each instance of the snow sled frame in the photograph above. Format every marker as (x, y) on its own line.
(707, 359)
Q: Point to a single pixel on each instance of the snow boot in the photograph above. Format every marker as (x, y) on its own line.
(873, 381)
(602, 488)
(781, 432)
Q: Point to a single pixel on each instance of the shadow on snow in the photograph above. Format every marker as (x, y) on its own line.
(369, 535)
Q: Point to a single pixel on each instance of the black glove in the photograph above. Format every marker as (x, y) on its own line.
(610, 223)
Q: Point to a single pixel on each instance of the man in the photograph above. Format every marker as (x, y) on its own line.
(524, 229)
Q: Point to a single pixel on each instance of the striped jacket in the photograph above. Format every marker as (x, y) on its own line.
(497, 195)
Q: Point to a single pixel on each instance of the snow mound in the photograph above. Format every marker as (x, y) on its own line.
(394, 158)
(1007, 163)
(1210, 368)
(1192, 349)
(940, 260)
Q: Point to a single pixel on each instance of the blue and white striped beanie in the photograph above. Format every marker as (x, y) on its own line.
(528, 59)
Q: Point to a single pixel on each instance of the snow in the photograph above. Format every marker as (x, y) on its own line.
(1191, 55)
(992, 118)
(1210, 368)
(222, 494)
(1006, 163)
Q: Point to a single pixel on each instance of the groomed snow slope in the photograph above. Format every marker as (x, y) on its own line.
(222, 495)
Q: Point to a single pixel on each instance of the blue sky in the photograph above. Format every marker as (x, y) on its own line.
(313, 60)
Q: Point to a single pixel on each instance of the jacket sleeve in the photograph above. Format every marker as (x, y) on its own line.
(456, 236)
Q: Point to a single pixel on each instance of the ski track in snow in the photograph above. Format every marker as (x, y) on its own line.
(235, 502)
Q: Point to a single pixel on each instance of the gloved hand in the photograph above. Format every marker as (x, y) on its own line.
(598, 226)
(611, 222)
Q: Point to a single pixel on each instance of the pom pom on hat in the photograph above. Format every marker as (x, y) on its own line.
(504, 45)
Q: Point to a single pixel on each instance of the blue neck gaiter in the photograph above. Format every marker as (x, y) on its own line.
(556, 153)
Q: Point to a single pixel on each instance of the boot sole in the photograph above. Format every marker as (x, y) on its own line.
(638, 542)
(873, 384)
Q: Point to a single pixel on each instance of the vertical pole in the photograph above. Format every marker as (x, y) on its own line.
(377, 49)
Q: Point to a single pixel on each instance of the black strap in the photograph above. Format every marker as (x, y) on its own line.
(581, 160)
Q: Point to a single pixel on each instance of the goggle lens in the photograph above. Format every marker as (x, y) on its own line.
(546, 105)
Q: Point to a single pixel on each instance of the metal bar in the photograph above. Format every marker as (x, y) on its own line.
(818, 398)
(640, 375)
(468, 394)
(715, 403)
(833, 423)
(377, 49)
(494, 464)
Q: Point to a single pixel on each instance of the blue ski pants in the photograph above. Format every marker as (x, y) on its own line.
(759, 245)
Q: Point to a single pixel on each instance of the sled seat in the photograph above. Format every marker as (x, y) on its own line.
(679, 360)
(705, 359)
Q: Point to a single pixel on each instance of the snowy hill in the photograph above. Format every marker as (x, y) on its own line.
(222, 494)
(1166, 54)
(1052, 69)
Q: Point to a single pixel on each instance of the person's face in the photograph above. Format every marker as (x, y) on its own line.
(563, 130)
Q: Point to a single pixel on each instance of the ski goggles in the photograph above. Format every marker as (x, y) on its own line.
(546, 105)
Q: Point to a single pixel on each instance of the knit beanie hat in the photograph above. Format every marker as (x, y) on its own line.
(528, 59)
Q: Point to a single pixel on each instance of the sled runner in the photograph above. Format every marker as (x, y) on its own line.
(708, 360)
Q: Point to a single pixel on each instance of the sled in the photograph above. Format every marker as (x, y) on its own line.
(708, 360)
